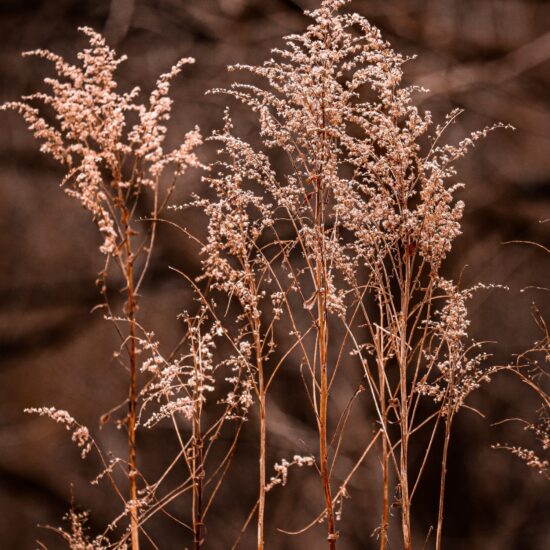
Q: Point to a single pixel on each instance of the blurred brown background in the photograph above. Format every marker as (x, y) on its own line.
(490, 56)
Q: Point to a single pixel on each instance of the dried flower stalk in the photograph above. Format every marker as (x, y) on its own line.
(329, 262)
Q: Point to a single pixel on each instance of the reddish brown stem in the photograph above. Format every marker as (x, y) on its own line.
(263, 429)
(197, 492)
(198, 460)
(322, 337)
(132, 391)
(404, 408)
(385, 472)
(442, 482)
(332, 536)
(385, 451)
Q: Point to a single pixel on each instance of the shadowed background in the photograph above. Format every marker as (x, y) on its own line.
(489, 56)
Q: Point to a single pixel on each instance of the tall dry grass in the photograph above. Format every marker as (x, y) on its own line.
(323, 253)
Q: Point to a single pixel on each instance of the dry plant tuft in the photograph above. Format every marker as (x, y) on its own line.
(113, 171)
(354, 233)
(328, 263)
(532, 368)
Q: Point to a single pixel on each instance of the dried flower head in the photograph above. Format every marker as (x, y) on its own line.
(89, 137)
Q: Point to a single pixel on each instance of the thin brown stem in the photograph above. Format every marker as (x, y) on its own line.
(322, 345)
(383, 418)
(263, 430)
(132, 391)
(439, 531)
(198, 455)
(404, 407)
